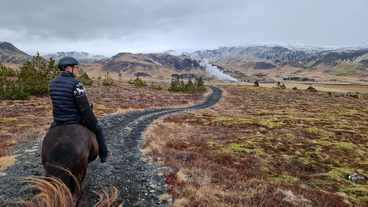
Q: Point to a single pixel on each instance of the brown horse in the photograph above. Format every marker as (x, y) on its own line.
(69, 148)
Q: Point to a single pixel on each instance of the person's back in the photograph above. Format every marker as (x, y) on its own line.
(70, 103)
(64, 104)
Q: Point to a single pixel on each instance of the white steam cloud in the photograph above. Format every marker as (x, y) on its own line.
(213, 70)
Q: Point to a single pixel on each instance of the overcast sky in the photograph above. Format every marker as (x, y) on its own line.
(140, 26)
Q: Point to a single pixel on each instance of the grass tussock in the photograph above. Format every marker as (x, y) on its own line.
(6, 161)
(265, 147)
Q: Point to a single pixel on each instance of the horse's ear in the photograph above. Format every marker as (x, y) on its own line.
(91, 106)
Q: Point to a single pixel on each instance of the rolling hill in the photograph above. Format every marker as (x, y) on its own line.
(265, 63)
(11, 56)
(274, 62)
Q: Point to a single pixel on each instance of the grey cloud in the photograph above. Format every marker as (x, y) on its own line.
(179, 24)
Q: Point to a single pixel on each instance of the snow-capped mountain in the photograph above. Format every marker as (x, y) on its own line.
(270, 61)
(285, 53)
(82, 57)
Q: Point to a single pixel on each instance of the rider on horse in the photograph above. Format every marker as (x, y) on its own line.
(70, 103)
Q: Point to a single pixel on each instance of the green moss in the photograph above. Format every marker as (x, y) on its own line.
(312, 121)
(285, 179)
(265, 113)
(263, 140)
(4, 120)
(315, 155)
(322, 134)
(245, 148)
(358, 194)
(229, 121)
(102, 107)
(364, 136)
(197, 118)
(274, 122)
(238, 147)
(22, 125)
(359, 201)
(217, 148)
(352, 112)
(235, 148)
(357, 189)
(337, 175)
(343, 145)
(213, 144)
(265, 170)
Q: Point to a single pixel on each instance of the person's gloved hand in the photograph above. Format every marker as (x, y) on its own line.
(97, 128)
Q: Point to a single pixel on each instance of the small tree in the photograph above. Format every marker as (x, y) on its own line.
(139, 83)
(256, 84)
(280, 86)
(199, 84)
(120, 77)
(34, 77)
(84, 78)
(175, 84)
(189, 86)
(7, 72)
(107, 80)
(156, 87)
(131, 81)
(5, 89)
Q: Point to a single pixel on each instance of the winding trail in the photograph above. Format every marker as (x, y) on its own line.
(139, 181)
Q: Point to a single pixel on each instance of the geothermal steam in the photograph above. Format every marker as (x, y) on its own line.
(213, 70)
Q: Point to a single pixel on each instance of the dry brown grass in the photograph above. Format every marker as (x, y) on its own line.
(6, 161)
(22, 120)
(257, 147)
(265, 147)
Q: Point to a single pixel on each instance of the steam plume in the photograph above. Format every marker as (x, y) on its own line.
(213, 70)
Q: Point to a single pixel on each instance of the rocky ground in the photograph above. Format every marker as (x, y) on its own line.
(139, 181)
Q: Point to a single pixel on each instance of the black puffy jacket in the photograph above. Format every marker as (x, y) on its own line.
(69, 99)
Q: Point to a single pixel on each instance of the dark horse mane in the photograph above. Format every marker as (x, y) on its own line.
(69, 148)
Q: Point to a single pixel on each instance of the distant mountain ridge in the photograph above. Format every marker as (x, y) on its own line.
(259, 62)
(310, 56)
(82, 57)
(270, 63)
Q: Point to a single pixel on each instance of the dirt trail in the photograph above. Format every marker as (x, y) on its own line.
(139, 181)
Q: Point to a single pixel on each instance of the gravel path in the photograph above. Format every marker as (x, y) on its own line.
(139, 181)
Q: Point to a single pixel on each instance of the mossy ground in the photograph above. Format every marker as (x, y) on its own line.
(290, 137)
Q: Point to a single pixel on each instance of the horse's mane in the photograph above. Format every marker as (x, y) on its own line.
(54, 193)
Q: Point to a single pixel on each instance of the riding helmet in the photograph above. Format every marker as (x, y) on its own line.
(67, 61)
